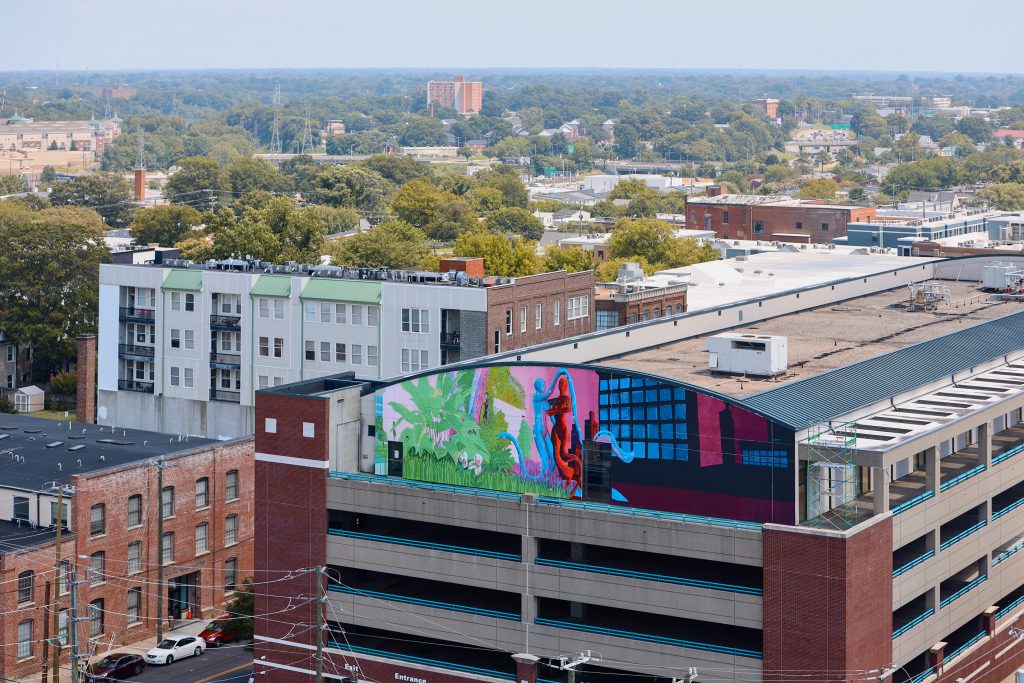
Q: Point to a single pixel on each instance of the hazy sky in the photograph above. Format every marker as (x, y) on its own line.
(888, 35)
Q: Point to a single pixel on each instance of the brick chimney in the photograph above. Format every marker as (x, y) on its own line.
(714, 190)
(470, 265)
(86, 399)
(140, 184)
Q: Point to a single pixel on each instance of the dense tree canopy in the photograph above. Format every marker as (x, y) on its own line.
(165, 225)
(392, 244)
(108, 194)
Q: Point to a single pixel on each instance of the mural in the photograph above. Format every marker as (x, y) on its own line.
(586, 434)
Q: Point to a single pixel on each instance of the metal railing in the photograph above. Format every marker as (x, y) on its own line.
(136, 350)
(654, 514)
(960, 650)
(1008, 509)
(962, 535)
(913, 563)
(960, 478)
(913, 622)
(648, 637)
(923, 675)
(134, 385)
(963, 591)
(1009, 552)
(225, 395)
(1010, 608)
(916, 500)
(422, 602)
(423, 485)
(1007, 454)
(225, 321)
(422, 660)
(234, 359)
(648, 576)
(451, 339)
(141, 314)
(428, 545)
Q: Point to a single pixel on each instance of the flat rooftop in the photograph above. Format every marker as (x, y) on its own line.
(827, 338)
(15, 537)
(35, 452)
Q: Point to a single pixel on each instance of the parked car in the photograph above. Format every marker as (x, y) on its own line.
(170, 649)
(115, 666)
(214, 634)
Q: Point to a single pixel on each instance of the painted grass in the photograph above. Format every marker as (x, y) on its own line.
(446, 472)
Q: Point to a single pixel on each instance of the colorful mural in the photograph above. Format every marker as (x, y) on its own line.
(587, 434)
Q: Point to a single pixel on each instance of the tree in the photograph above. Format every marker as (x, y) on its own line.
(249, 173)
(568, 259)
(165, 225)
(108, 194)
(1004, 196)
(48, 176)
(249, 237)
(51, 287)
(503, 255)
(241, 608)
(199, 182)
(12, 184)
(398, 169)
(356, 187)
(196, 248)
(488, 199)
(424, 131)
(506, 180)
(824, 158)
(305, 230)
(780, 173)
(960, 142)
(392, 244)
(927, 174)
(627, 138)
(975, 127)
(418, 203)
(73, 215)
(819, 188)
(654, 241)
(515, 221)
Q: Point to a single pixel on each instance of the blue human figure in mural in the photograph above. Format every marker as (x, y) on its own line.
(540, 433)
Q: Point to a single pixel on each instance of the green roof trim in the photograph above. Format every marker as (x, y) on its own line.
(272, 285)
(342, 290)
(187, 280)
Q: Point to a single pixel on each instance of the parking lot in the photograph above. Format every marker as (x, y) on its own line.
(216, 665)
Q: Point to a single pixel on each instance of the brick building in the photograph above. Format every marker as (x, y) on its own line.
(634, 298)
(112, 525)
(465, 97)
(539, 308)
(772, 217)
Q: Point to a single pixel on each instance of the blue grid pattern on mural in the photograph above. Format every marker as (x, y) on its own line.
(765, 458)
(646, 417)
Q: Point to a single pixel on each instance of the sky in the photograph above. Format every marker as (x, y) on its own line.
(864, 35)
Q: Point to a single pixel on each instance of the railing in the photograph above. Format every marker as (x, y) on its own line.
(422, 660)
(913, 563)
(916, 500)
(1008, 509)
(1010, 608)
(1006, 554)
(960, 650)
(409, 600)
(221, 358)
(923, 675)
(423, 485)
(451, 340)
(648, 637)
(134, 385)
(428, 545)
(648, 576)
(963, 591)
(960, 478)
(962, 535)
(225, 395)
(136, 350)
(913, 622)
(1008, 454)
(655, 514)
(147, 315)
(225, 321)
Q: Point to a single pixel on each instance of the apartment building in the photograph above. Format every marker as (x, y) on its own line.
(857, 517)
(183, 346)
(20, 133)
(110, 540)
(465, 97)
(15, 363)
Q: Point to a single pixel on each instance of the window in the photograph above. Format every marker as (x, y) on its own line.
(190, 302)
(189, 339)
(325, 352)
(538, 313)
(340, 313)
(25, 639)
(508, 321)
(558, 311)
(97, 567)
(98, 519)
(325, 313)
(265, 346)
(308, 430)
(231, 530)
(414, 360)
(175, 338)
(96, 618)
(134, 605)
(175, 301)
(62, 513)
(371, 356)
(189, 378)
(606, 320)
(279, 309)
(497, 341)
(230, 575)
(415, 320)
(799, 225)
(231, 486)
(264, 307)
(10, 354)
(202, 492)
(270, 425)
(10, 381)
(357, 354)
(522, 319)
(758, 227)
(310, 312)
(167, 548)
(62, 626)
(175, 376)
(135, 557)
(310, 350)
(340, 354)
(134, 510)
(373, 316)
(167, 502)
(20, 508)
(725, 217)
(202, 538)
(824, 226)
(278, 347)
(579, 307)
(357, 314)
(263, 381)
(26, 581)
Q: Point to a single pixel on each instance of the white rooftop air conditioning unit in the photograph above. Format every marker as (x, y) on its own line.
(758, 355)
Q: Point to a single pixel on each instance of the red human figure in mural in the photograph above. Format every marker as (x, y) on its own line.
(561, 410)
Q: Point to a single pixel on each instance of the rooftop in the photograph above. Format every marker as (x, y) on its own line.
(763, 199)
(35, 452)
(15, 537)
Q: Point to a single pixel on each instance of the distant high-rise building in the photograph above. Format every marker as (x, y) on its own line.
(459, 94)
(768, 107)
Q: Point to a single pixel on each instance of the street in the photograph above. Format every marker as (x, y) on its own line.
(216, 665)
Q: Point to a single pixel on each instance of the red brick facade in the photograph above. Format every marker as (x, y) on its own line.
(86, 367)
(827, 601)
(799, 223)
(648, 305)
(529, 292)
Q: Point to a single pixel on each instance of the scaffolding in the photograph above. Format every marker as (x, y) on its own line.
(833, 480)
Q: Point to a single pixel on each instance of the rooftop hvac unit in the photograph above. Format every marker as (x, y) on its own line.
(757, 355)
(994, 275)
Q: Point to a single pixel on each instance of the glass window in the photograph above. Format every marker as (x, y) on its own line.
(264, 346)
(96, 618)
(135, 557)
(21, 508)
(134, 605)
(340, 355)
(190, 302)
(25, 639)
(357, 354)
(340, 313)
(202, 538)
(175, 338)
(371, 356)
(538, 313)
(97, 567)
(62, 626)
(231, 485)
(522, 319)
(26, 580)
(415, 320)
(310, 312)
(97, 519)
(372, 316)
(231, 530)
(175, 376)
(278, 347)
(325, 312)
(202, 492)
(189, 339)
(264, 308)
(558, 311)
(167, 502)
(189, 378)
(357, 314)
(167, 548)
(325, 352)
(175, 301)
(279, 309)
(230, 575)
(310, 350)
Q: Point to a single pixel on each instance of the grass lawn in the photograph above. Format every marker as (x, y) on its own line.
(57, 415)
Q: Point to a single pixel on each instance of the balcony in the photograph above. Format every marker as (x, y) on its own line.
(225, 361)
(137, 315)
(135, 385)
(136, 352)
(451, 340)
(225, 395)
(226, 322)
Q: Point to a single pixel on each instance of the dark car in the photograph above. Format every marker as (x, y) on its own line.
(115, 666)
(214, 633)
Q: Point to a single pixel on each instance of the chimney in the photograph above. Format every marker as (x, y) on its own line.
(470, 265)
(86, 399)
(714, 190)
(140, 184)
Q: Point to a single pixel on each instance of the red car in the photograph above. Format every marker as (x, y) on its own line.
(115, 667)
(214, 633)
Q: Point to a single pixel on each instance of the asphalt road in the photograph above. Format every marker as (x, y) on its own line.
(228, 664)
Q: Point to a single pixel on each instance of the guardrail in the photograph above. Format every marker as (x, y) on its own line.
(428, 545)
(654, 514)
(963, 591)
(422, 602)
(1010, 608)
(136, 350)
(146, 315)
(913, 622)
(134, 385)
(1006, 554)
(423, 485)
(648, 637)
(1008, 509)
(648, 576)
(913, 563)
(960, 650)
(916, 500)
(1008, 454)
(421, 660)
(962, 535)
(225, 321)
(225, 395)
(961, 478)
(923, 675)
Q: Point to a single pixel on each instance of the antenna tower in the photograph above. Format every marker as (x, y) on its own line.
(174, 105)
(140, 140)
(3, 99)
(106, 107)
(275, 131)
(307, 134)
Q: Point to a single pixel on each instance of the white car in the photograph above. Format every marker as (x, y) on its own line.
(170, 649)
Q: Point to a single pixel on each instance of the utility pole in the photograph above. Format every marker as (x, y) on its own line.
(46, 632)
(570, 666)
(73, 620)
(160, 550)
(319, 624)
(56, 589)
(275, 131)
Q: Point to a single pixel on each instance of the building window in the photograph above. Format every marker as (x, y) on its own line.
(62, 626)
(758, 227)
(558, 311)
(310, 350)
(167, 502)
(373, 316)
(97, 567)
(231, 530)
(175, 338)
(21, 508)
(371, 356)
(175, 376)
(202, 493)
(62, 513)
(310, 312)
(415, 320)
(278, 347)
(340, 313)
(230, 575)
(325, 352)
(799, 225)
(522, 319)
(202, 538)
(25, 639)
(189, 339)
(134, 605)
(190, 302)
(414, 360)
(538, 312)
(265, 346)
(96, 618)
(824, 226)
(325, 312)
(357, 354)
(357, 314)
(606, 320)
(167, 548)
(264, 307)
(679, 308)
(340, 354)
(579, 307)
(279, 309)
(26, 581)
(189, 378)
(231, 486)
(725, 217)
(175, 301)
(308, 430)
(508, 321)
(497, 341)
(270, 425)
(135, 557)
(98, 519)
